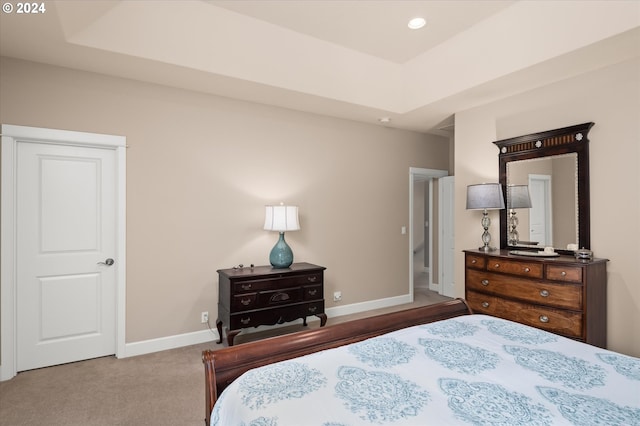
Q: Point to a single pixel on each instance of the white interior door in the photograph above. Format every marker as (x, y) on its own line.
(540, 225)
(66, 231)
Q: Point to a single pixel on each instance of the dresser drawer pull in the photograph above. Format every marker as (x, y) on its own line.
(544, 293)
(245, 321)
(279, 297)
(485, 304)
(527, 270)
(245, 302)
(312, 279)
(246, 286)
(474, 261)
(484, 282)
(544, 318)
(563, 273)
(312, 309)
(497, 265)
(313, 292)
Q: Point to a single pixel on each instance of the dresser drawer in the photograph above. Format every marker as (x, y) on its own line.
(312, 292)
(244, 302)
(275, 315)
(477, 262)
(276, 283)
(268, 299)
(564, 273)
(567, 323)
(515, 267)
(481, 303)
(568, 296)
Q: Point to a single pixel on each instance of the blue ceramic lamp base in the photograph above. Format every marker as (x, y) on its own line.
(281, 255)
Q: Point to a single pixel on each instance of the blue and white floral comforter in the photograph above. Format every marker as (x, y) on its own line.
(473, 369)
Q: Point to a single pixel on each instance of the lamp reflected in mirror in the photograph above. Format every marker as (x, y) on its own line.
(517, 198)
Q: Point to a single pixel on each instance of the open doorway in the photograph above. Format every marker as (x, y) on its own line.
(424, 259)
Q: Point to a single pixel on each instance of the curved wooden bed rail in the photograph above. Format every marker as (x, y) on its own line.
(223, 366)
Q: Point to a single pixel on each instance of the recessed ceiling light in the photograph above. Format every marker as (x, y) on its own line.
(416, 23)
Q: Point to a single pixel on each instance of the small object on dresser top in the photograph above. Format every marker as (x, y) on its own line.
(584, 254)
(540, 253)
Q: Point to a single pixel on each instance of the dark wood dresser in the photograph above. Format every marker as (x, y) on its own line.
(558, 294)
(262, 295)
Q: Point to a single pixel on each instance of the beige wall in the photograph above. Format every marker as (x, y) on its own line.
(609, 97)
(200, 169)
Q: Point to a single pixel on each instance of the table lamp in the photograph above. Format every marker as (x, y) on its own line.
(485, 196)
(281, 218)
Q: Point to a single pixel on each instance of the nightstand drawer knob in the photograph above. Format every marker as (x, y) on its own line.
(312, 309)
(544, 293)
(312, 279)
(246, 286)
(313, 292)
(474, 261)
(563, 273)
(484, 282)
(485, 304)
(497, 265)
(527, 270)
(544, 318)
(245, 321)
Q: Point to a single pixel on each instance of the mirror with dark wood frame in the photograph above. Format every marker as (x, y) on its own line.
(555, 166)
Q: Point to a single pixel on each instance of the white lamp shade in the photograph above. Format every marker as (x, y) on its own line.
(281, 218)
(518, 197)
(485, 196)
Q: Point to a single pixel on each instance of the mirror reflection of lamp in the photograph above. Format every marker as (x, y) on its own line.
(517, 198)
(485, 196)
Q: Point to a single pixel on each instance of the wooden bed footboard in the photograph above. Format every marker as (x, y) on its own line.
(223, 366)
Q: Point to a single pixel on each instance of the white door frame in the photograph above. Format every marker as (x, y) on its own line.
(11, 136)
(416, 173)
(446, 199)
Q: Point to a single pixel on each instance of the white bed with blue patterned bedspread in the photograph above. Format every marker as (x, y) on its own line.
(472, 369)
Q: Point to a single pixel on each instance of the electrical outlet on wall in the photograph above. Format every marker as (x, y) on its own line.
(204, 317)
(337, 296)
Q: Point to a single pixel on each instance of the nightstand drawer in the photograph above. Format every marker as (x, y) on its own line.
(514, 267)
(568, 296)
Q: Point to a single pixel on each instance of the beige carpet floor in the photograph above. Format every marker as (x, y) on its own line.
(162, 389)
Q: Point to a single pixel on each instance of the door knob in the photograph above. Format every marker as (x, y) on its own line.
(107, 262)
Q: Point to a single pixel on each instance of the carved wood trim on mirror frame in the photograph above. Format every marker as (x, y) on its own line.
(552, 145)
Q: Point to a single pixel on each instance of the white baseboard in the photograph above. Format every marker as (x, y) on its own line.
(194, 338)
(170, 342)
(356, 308)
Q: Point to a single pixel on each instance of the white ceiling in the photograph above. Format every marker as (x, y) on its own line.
(377, 28)
(350, 59)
